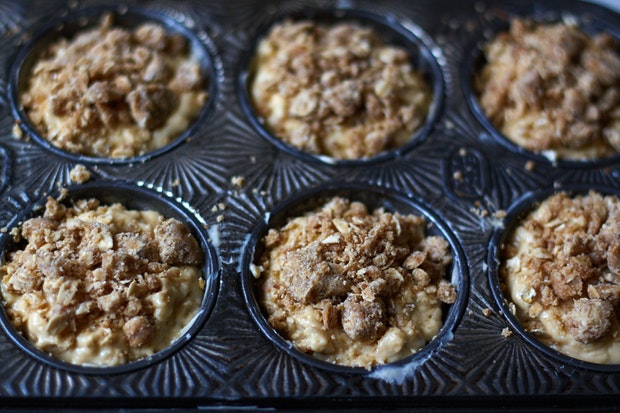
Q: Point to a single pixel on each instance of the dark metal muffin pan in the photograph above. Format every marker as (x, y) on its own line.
(231, 182)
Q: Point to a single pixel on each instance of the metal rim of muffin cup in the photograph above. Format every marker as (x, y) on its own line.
(423, 56)
(474, 60)
(373, 197)
(131, 197)
(126, 17)
(514, 215)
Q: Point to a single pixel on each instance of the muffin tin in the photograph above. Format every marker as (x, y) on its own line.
(230, 182)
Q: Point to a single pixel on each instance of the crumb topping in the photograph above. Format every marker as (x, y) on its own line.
(562, 263)
(102, 285)
(111, 92)
(354, 287)
(552, 88)
(337, 90)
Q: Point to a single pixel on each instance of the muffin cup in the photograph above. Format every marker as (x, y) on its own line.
(125, 17)
(137, 199)
(373, 198)
(418, 45)
(514, 215)
(474, 60)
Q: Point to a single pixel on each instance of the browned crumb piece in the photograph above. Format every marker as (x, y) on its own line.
(530, 166)
(237, 181)
(150, 105)
(361, 320)
(17, 131)
(112, 92)
(176, 244)
(551, 87)
(138, 331)
(349, 277)
(337, 90)
(56, 211)
(79, 174)
(487, 312)
(589, 319)
(91, 269)
(446, 292)
(506, 332)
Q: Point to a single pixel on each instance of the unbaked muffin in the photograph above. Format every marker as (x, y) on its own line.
(561, 268)
(353, 287)
(337, 90)
(101, 285)
(112, 92)
(553, 89)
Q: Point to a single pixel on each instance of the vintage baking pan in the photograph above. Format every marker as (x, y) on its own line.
(229, 179)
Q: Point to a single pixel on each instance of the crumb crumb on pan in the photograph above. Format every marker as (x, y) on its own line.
(79, 174)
